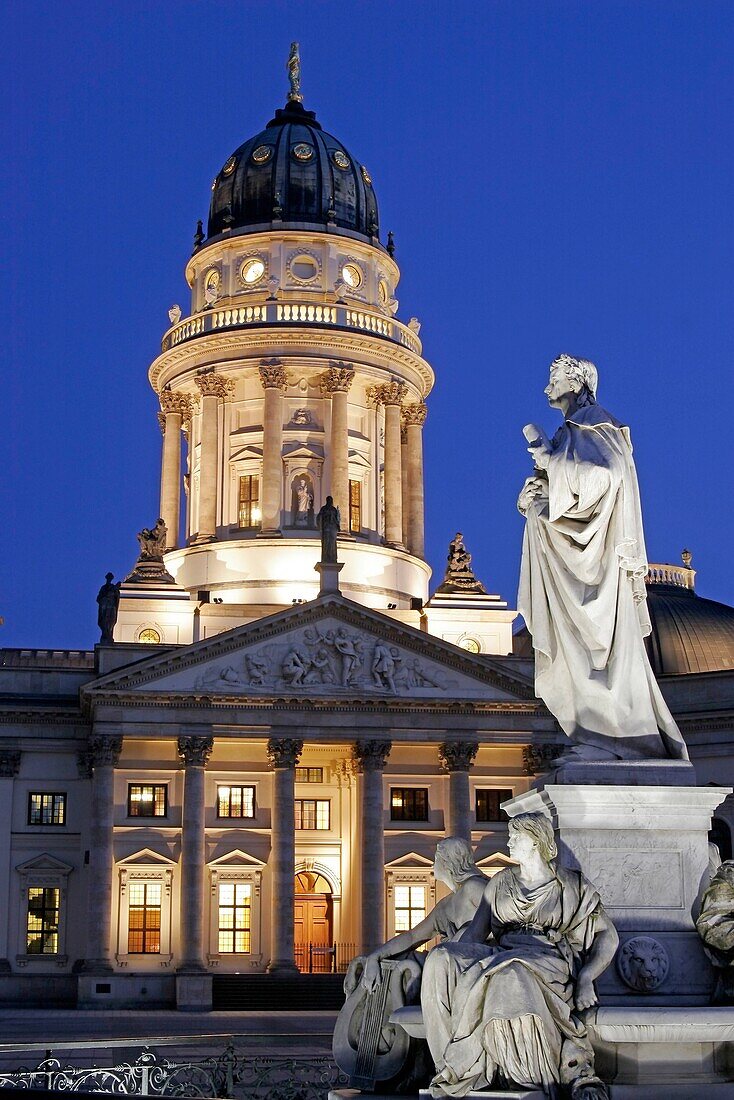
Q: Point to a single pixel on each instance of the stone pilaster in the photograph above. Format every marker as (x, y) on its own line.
(414, 417)
(456, 758)
(213, 389)
(336, 382)
(369, 758)
(9, 768)
(283, 754)
(104, 754)
(194, 752)
(390, 394)
(274, 381)
(176, 408)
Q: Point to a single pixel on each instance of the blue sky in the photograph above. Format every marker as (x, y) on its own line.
(558, 176)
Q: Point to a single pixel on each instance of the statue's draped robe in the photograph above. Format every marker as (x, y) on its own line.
(582, 595)
(508, 1006)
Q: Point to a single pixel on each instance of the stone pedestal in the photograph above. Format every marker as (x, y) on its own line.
(329, 572)
(194, 992)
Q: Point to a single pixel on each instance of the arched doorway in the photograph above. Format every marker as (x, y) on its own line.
(313, 923)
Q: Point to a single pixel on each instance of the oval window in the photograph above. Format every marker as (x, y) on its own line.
(303, 151)
(304, 268)
(229, 166)
(382, 291)
(262, 154)
(252, 270)
(352, 275)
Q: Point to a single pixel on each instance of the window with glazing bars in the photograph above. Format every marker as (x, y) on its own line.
(249, 501)
(42, 928)
(488, 803)
(409, 804)
(46, 808)
(144, 918)
(235, 801)
(147, 799)
(355, 507)
(309, 775)
(234, 917)
(410, 907)
(313, 813)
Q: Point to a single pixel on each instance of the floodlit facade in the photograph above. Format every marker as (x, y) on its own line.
(254, 775)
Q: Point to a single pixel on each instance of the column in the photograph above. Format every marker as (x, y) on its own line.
(390, 394)
(176, 407)
(457, 758)
(414, 417)
(194, 752)
(213, 389)
(283, 754)
(9, 768)
(273, 378)
(369, 759)
(336, 382)
(404, 481)
(104, 753)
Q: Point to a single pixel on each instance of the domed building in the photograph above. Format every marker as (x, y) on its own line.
(689, 633)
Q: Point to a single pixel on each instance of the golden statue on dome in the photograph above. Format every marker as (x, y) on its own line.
(293, 65)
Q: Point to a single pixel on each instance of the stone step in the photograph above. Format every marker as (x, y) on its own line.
(263, 993)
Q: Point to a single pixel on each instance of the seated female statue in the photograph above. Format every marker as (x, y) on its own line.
(503, 1004)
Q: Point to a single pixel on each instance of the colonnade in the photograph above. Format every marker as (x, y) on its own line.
(369, 758)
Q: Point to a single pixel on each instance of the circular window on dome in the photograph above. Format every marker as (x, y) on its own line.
(252, 270)
(341, 160)
(230, 166)
(304, 268)
(302, 151)
(471, 645)
(212, 279)
(365, 175)
(149, 635)
(262, 154)
(382, 292)
(352, 275)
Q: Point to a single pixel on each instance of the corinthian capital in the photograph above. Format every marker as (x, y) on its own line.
(173, 401)
(214, 385)
(284, 752)
(415, 414)
(457, 756)
(272, 375)
(370, 756)
(104, 750)
(387, 393)
(337, 379)
(195, 751)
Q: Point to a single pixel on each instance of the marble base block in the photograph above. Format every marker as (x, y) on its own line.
(194, 992)
(329, 572)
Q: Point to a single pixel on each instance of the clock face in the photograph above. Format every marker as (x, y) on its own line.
(303, 151)
(262, 154)
(382, 291)
(341, 160)
(352, 275)
(229, 166)
(471, 645)
(252, 270)
(365, 175)
(149, 635)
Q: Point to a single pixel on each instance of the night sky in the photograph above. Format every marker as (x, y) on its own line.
(558, 177)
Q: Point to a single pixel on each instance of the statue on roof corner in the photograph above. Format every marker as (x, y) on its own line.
(329, 522)
(108, 600)
(582, 582)
(293, 65)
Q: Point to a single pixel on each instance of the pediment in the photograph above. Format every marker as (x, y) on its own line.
(248, 451)
(496, 861)
(146, 857)
(410, 860)
(330, 647)
(357, 459)
(237, 859)
(44, 862)
(303, 450)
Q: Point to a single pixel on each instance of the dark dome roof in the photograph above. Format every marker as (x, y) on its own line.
(293, 172)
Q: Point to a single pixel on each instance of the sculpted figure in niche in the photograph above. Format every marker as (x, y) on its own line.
(108, 601)
(302, 503)
(504, 1003)
(329, 523)
(582, 584)
(715, 926)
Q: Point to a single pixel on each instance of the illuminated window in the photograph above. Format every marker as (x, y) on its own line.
(144, 918)
(235, 801)
(488, 804)
(42, 928)
(46, 809)
(355, 507)
(313, 813)
(410, 907)
(409, 804)
(147, 800)
(352, 275)
(252, 270)
(234, 917)
(149, 635)
(309, 775)
(249, 501)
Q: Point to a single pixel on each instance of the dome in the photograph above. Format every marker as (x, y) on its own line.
(293, 173)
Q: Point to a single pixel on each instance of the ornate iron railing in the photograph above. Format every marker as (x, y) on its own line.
(231, 1074)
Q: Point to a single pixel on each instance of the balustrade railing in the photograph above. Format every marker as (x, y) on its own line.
(677, 575)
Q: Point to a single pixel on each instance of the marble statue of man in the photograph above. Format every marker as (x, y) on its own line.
(582, 583)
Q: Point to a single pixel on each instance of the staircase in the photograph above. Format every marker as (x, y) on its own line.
(266, 993)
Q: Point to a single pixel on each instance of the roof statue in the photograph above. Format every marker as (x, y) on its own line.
(459, 575)
(149, 566)
(293, 65)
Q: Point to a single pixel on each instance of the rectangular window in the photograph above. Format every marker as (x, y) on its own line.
(309, 775)
(46, 809)
(235, 801)
(355, 507)
(410, 907)
(42, 929)
(144, 918)
(147, 799)
(313, 813)
(488, 804)
(409, 804)
(234, 917)
(249, 501)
